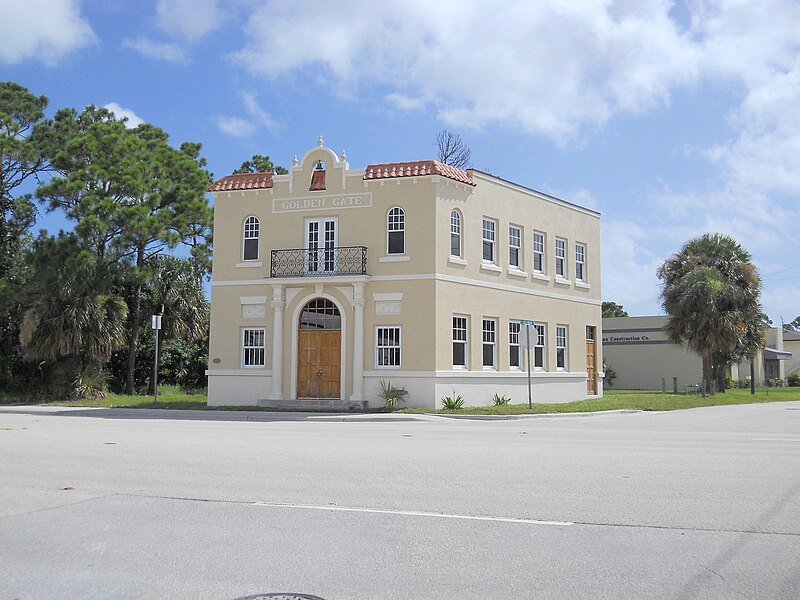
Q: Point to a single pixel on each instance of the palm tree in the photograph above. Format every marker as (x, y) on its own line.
(72, 317)
(176, 292)
(86, 328)
(711, 291)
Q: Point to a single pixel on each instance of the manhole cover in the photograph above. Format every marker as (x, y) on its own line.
(281, 596)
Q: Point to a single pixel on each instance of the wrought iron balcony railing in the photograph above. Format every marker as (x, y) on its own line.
(305, 262)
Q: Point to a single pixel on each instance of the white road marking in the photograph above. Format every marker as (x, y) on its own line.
(776, 439)
(413, 513)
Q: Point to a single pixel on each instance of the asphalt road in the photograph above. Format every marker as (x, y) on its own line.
(97, 503)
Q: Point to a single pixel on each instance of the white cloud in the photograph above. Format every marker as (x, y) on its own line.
(258, 114)
(245, 127)
(161, 51)
(133, 120)
(404, 102)
(188, 19)
(44, 30)
(546, 68)
(757, 46)
(236, 126)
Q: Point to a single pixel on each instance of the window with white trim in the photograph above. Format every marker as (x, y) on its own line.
(561, 347)
(253, 348)
(489, 241)
(538, 252)
(580, 262)
(513, 344)
(514, 246)
(460, 340)
(455, 234)
(561, 257)
(250, 238)
(539, 349)
(396, 231)
(387, 347)
(489, 343)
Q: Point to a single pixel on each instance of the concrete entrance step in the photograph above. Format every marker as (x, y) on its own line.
(332, 404)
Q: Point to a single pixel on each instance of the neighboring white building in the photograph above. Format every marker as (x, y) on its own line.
(330, 279)
(643, 358)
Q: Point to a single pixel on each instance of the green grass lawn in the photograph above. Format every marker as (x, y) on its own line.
(630, 400)
(170, 397)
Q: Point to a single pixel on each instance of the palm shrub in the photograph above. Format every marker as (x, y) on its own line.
(90, 382)
(500, 400)
(392, 395)
(454, 402)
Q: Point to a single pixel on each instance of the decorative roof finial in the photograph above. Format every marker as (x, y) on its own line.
(319, 141)
(344, 156)
(295, 161)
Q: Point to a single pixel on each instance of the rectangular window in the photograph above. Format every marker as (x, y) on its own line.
(580, 262)
(538, 252)
(513, 344)
(539, 347)
(489, 241)
(489, 344)
(561, 258)
(514, 246)
(253, 347)
(460, 341)
(387, 347)
(561, 347)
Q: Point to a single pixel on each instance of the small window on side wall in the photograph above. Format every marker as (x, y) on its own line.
(396, 230)
(251, 234)
(455, 234)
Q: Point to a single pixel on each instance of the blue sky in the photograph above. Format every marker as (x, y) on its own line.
(671, 118)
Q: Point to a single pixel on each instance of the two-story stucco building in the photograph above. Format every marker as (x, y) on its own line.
(329, 280)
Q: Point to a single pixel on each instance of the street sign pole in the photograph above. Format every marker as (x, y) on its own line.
(528, 324)
(156, 324)
(530, 397)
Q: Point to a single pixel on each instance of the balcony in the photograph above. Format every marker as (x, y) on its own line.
(323, 262)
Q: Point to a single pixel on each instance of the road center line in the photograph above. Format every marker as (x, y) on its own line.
(413, 513)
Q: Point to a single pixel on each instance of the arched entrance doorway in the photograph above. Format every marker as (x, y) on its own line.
(319, 350)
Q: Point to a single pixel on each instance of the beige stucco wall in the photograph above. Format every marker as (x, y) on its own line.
(791, 343)
(641, 355)
(424, 287)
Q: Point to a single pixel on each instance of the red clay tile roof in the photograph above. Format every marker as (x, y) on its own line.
(242, 181)
(416, 168)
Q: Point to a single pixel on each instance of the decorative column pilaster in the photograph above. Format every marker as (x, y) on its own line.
(277, 305)
(358, 342)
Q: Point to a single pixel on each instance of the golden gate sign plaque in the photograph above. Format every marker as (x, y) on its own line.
(315, 203)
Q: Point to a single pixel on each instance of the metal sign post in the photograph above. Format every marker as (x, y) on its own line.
(156, 325)
(527, 325)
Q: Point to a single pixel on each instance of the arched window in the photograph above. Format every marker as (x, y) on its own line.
(455, 233)
(251, 231)
(396, 228)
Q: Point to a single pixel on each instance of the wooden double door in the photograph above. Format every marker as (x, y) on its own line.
(319, 351)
